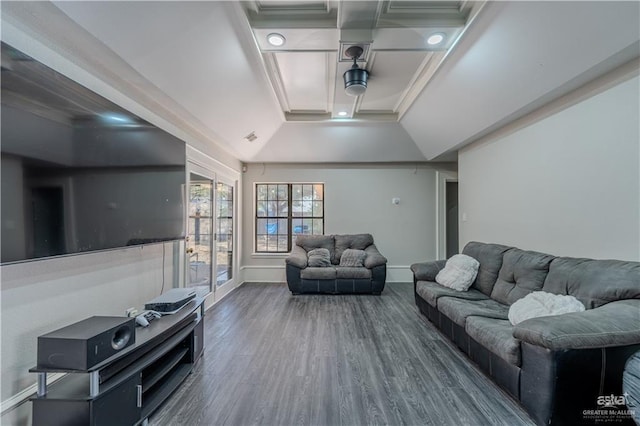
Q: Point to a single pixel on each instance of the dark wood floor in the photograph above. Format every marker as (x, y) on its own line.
(276, 359)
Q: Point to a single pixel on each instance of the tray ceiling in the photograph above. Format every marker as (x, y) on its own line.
(306, 71)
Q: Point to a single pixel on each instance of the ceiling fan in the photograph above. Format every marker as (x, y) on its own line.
(355, 78)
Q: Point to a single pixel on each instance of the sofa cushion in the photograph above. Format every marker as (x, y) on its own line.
(310, 242)
(431, 292)
(522, 272)
(352, 273)
(354, 241)
(319, 257)
(594, 282)
(490, 258)
(459, 272)
(353, 258)
(458, 310)
(614, 324)
(325, 273)
(495, 335)
(542, 304)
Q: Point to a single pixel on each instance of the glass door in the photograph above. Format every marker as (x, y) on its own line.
(200, 228)
(224, 232)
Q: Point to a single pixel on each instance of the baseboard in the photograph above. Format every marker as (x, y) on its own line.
(399, 274)
(277, 274)
(263, 273)
(24, 395)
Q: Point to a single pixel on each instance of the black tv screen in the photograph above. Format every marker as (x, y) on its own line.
(78, 172)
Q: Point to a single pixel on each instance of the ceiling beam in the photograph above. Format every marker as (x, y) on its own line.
(293, 15)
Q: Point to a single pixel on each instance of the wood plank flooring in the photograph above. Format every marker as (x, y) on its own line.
(276, 359)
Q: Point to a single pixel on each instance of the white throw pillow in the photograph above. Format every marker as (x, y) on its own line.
(542, 304)
(459, 272)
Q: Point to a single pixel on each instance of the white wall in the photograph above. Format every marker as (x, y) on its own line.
(357, 200)
(568, 184)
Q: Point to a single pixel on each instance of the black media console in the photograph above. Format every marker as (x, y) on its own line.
(128, 386)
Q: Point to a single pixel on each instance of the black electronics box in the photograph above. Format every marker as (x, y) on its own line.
(84, 344)
(171, 300)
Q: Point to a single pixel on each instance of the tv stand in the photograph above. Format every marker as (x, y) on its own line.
(128, 387)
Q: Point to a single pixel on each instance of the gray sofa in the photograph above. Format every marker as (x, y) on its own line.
(631, 385)
(555, 366)
(336, 279)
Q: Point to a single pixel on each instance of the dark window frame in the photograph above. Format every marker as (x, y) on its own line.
(289, 215)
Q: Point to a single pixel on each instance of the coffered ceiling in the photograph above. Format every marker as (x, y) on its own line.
(306, 71)
(205, 71)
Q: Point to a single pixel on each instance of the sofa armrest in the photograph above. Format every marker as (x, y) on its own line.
(614, 324)
(374, 258)
(297, 257)
(427, 271)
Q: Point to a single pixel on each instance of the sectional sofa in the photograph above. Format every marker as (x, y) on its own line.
(557, 367)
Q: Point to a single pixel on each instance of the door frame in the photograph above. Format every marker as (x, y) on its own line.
(224, 289)
(442, 177)
(201, 163)
(194, 168)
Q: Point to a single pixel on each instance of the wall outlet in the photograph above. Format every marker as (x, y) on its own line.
(131, 312)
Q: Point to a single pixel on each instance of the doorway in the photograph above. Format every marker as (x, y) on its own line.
(451, 218)
(211, 231)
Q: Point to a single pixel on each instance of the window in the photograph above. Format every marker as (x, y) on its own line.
(284, 210)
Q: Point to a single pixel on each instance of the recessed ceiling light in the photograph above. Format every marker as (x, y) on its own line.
(276, 39)
(343, 113)
(435, 39)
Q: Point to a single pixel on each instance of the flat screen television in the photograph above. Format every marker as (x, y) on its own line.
(80, 173)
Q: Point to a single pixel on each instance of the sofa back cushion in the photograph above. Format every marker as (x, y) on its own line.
(310, 242)
(354, 241)
(594, 282)
(353, 258)
(318, 258)
(522, 272)
(490, 258)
